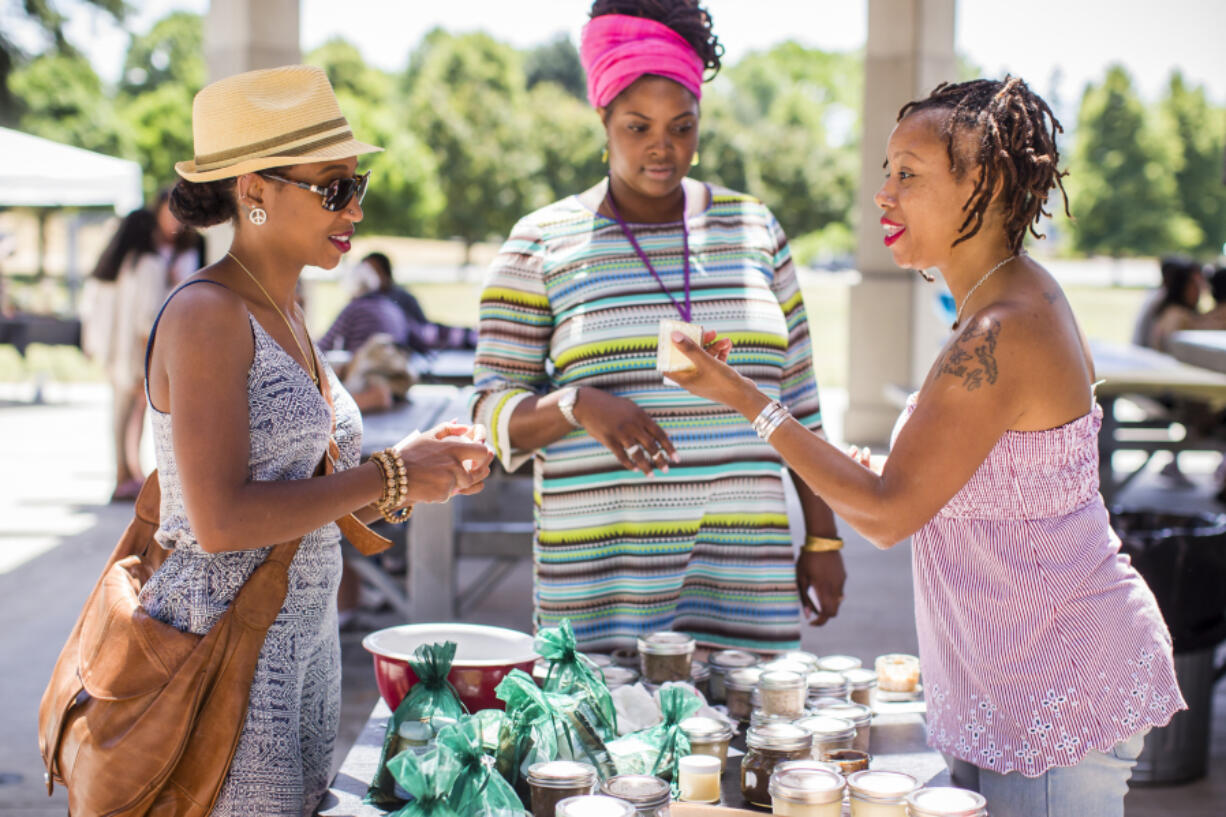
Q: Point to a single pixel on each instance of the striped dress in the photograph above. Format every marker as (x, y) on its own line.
(1038, 641)
(704, 549)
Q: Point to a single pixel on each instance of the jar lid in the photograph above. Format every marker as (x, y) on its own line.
(781, 679)
(806, 763)
(806, 785)
(704, 728)
(881, 787)
(786, 665)
(781, 737)
(947, 801)
(699, 672)
(562, 774)
(800, 657)
(594, 805)
(743, 679)
(725, 660)
(827, 727)
(859, 714)
(823, 681)
(640, 789)
(667, 643)
(860, 677)
(616, 677)
(839, 663)
(760, 717)
(700, 764)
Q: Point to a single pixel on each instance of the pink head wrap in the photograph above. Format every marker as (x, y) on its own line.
(617, 49)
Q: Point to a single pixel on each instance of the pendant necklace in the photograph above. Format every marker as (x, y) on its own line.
(310, 359)
(684, 309)
(986, 275)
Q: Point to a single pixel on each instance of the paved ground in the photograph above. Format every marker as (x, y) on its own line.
(56, 531)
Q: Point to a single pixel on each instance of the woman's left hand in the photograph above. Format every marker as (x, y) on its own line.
(711, 376)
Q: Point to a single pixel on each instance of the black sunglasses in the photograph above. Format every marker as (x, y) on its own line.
(338, 192)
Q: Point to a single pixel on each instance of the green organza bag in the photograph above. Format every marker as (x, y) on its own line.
(428, 779)
(478, 788)
(655, 750)
(572, 672)
(431, 704)
(543, 726)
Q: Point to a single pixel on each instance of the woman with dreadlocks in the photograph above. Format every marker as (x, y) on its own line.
(1044, 656)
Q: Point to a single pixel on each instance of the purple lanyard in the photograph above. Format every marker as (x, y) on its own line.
(685, 310)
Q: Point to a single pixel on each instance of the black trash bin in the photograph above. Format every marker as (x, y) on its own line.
(1183, 558)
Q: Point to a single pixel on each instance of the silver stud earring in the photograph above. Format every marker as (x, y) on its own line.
(257, 215)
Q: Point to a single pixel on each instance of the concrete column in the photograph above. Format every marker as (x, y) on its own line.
(894, 329)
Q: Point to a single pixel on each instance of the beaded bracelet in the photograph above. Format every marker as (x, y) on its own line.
(395, 486)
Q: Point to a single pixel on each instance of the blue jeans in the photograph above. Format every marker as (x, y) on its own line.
(1095, 787)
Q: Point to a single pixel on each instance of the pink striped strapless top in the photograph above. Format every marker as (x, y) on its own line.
(1038, 640)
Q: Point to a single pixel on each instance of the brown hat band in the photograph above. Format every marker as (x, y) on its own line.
(281, 145)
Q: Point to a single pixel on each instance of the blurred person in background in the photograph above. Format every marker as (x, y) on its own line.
(424, 334)
(1215, 318)
(1173, 307)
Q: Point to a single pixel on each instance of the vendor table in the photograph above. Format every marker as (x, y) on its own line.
(1200, 347)
(896, 744)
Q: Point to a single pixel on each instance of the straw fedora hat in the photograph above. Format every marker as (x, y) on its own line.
(270, 118)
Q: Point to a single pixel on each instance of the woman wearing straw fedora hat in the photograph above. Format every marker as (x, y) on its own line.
(244, 409)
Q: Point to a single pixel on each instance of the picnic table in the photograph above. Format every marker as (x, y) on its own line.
(1200, 347)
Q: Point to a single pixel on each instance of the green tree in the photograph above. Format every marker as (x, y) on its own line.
(557, 61)
(62, 99)
(570, 139)
(172, 52)
(1122, 189)
(1198, 131)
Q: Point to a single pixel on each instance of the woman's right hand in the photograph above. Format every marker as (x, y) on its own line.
(448, 459)
(621, 426)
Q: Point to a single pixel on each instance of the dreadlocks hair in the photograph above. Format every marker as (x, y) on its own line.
(686, 17)
(1015, 151)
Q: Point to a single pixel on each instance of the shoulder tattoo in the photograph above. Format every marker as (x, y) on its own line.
(972, 358)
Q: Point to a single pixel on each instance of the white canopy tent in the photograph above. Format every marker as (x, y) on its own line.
(36, 172)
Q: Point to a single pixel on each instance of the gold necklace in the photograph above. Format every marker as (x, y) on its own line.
(310, 359)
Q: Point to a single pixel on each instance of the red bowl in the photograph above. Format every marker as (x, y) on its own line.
(484, 656)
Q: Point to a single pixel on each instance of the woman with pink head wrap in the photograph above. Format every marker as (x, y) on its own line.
(655, 511)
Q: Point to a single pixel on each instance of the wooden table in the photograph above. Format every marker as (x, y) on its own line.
(1200, 347)
(897, 743)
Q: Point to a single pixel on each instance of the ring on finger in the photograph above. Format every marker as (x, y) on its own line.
(631, 450)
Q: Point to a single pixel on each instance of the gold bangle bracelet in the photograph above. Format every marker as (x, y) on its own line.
(821, 544)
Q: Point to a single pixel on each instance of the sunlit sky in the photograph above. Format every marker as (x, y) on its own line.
(1032, 38)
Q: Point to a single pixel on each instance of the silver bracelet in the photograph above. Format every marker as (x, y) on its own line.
(770, 418)
(566, 404)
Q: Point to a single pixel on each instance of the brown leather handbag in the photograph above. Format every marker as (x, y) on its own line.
(141, 718)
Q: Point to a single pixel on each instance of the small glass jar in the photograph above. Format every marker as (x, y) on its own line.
(700, 678)
(847, 761)
(739, 686)
(708, 736)
(829, 733)
(806, 793)
(592, 805)
(649, 795)
(785, 665)
(861, 682)
(615, 676)
(824, 684)
(946, 801)
(720, 664)
(898, 673)
(766, 747)
(783, 692)
(879, 794)
(859, 714)
(839, 663)
(698, 778)
(666, 656)
(553, 781)
(800, 657)
(760, 717)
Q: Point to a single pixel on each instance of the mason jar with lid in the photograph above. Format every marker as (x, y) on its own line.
(783, 692)
(861, 682)
(768, 746)
(786, 665)
(879, 794)
(839, 663)
(739, 686)
(592, 805)
(615, 676)
(760, 717)
(807, 763)
(946, 801)
(860, 715)
(649, 795)
(806, 793)
(708, 736)
(825, 684)
(666, 656)
(800, 657)
(829, 733)
(898, 676)
(723, 662)
(552, 781)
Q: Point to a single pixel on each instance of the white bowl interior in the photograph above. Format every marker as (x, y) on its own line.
(477, 645)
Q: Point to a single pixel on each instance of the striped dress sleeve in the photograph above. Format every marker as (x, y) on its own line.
(798, 390)
(514, 333)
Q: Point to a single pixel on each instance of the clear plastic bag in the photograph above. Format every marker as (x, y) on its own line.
(655, 750)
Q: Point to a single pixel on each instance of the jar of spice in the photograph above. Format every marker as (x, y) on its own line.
(768, 746)
(783, 692)
(806, 793)
(708, 736)
(829, 733)
(861, 682)
(946, 801)
(649, 795)
(723, 662)
(824, 684)
(698, 778)
(666, 656)
(860, 716)
(553, 781)
(839, 663)
(879, 794)
(615, 676)
(898, 673)
(739, 686)
(700, 678)
(591, 805)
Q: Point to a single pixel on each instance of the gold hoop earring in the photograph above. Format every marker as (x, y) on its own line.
(257, 215)
(604, 155)
(694, 160)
